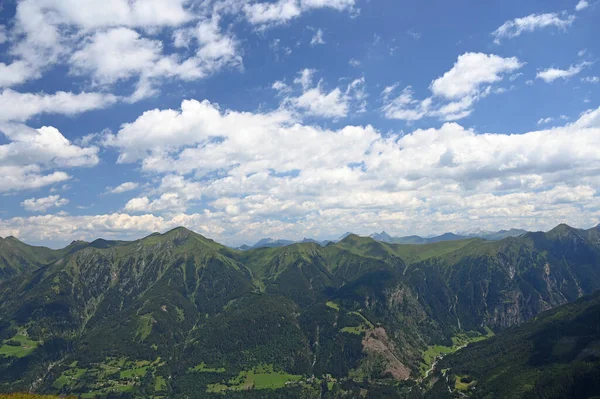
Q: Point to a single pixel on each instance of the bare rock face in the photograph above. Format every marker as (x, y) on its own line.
(377, 343)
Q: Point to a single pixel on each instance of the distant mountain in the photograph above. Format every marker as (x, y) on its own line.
(556, 355)
(178, 315)
(344, 236)
(486, 235)
(272, 243)
(383, 237)
(498, 235)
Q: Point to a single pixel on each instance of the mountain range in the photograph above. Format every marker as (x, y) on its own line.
(178, 315)
(385, 237)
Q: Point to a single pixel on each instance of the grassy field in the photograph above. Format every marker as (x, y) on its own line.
(459, 340)
(201, 368)
(113, 375)
(261, 377)
(160, 384)
(25, 348)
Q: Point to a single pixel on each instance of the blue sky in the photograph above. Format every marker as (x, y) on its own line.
(296, 118)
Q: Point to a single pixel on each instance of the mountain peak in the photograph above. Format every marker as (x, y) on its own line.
(561, 228)
(345, 235)
(383, 236)
(180, 229)
(354, 238)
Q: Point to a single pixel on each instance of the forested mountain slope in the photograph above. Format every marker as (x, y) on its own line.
(556, 355)
(175, 314)
(17, 257)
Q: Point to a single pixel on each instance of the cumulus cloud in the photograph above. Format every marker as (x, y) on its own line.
(43, 204)
(330, 181)
(49, 30)
(31, 157)
(470, 72)
(582, 5)
(282, 11)
(19, 107)
(113, 42)
(16, 73)
(122, 53)
(116, 41)
(122, 188)
(588, 119)
(116, 54)
(233, 162)
(315, 101)
(30, 177)
(551, 74)
(453, 94)
(530, 23)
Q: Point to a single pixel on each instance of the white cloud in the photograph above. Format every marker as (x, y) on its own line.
(581, 53)
(31, 157)
(305, 78)
(515, 76)
(354, 62)
(48, 227)
(280, 86)
(317, 38)
(43, 146)
(115, 41)
(316, 101)
(589, 119)
(116, 54)
(551, 74)
(454, 94)
(49, 30)
(591, 79)
(43, 204)
(122, 53)
(413, 34)
(583, 4)
(530, 23)
(470, 72)
(16, 73)
(282, 11)
(272, 13)
(404, 107)
(30, 177)
(330, 181)
(91, 14)
(20, 107)
(544, 121)
(3, 36)
(122, 188)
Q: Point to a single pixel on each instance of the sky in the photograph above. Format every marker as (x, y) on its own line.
(244, 119)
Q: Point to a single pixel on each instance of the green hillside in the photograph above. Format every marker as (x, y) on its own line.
(556, 355)
(174, 314)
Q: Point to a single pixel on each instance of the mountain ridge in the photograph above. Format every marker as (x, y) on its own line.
(356, 309)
